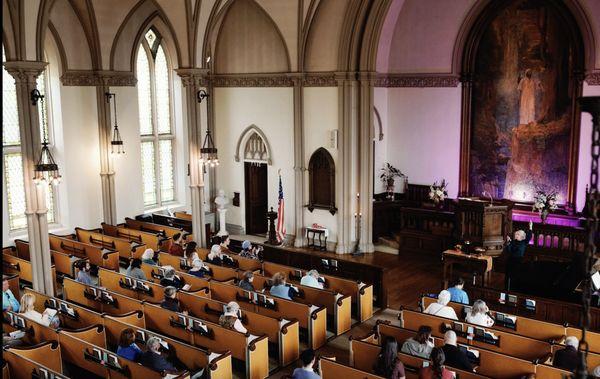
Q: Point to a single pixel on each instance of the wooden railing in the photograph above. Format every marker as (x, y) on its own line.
(554, 242)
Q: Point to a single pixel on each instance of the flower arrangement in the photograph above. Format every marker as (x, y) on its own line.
(387, 176)
(438, 192)
(544, 203)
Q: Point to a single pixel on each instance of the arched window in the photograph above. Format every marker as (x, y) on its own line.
(321, 181)
(14, 188)
(156, 129)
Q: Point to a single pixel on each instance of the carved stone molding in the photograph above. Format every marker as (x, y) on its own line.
(196, 77)
(25, 71)
(253, 80)
(593, 79)
(324, 79)
(416, 80)
(98, 78)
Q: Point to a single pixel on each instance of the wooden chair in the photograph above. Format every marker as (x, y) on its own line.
(24, 362)
(118, 283)
(99, 300)
(127, 250)
(97, 256)
(151, 240)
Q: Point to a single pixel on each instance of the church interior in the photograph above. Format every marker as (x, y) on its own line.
(301, 189)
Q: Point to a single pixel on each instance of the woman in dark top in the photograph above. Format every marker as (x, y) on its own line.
(388, 365)
(176, 248)
(190, 248)
(170, 302)
(516, 251)
(170, 279)
(436, 369)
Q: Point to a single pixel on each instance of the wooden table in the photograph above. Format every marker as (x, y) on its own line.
(480, 264)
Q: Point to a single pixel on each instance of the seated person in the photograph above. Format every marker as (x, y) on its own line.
(135, 269)
(478, 315)
(148, 257)
(280, 289)
(388, 365)
(83, 276)
(191, 257)
(441, 308)
(176, 247)
(248, 251)
(225, 241)
(153, 359)
(306, 371)
(197, 268)
(27, 310)
(231, 318)
(9, 302)
(436, 368)
(190, 251)
(215, 255)
(170, 279)
(567, 358)
(311, 279)
(454, 356)
(419, 345)
(457, 294)
(127, 346)
(170, 301)
(246, 282)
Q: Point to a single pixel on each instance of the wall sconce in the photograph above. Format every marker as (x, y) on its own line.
(45, 169)
(116, 143)
(201, 95)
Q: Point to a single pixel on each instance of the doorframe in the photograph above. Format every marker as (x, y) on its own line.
(246, 197)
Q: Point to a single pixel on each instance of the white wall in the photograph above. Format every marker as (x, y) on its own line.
(272, 110)
(380, 102)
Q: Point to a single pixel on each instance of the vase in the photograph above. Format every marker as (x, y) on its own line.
(544, 216)
(390, 189)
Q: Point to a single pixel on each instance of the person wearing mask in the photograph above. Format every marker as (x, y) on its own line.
(135, 269)
(478, 315)
(148, 257)
(454, 356)
(441, 308)
(457, 293)
(311, 279)
(516, 251)
(153, 359)
(83, 276)
(246, 282)
(127, 346)
(419, 345)
(9, 302)
(170, 279)
(388, 365)
(567, 358)
(214, 257)
(306, 371)
(196, 269)
(27, 310)
(231, 318)
(436, 369)
(176, 247)
(190, 251)
(225, 241)
(248, 250)
(170, 300)
(279, 287)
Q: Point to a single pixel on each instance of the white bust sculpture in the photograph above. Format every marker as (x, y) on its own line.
(221, 200)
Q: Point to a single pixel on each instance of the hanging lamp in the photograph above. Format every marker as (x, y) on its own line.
(208, 152)
(45, 169)
(116, 143)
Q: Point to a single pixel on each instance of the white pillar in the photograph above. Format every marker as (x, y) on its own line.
(107, 172)
(299, 169)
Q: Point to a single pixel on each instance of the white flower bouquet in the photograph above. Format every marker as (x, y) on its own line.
(438, 192)
(544, 203)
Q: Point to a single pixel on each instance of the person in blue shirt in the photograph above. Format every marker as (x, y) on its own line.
(153, 359)
(83, 276)
(9, 302)
(458, 295)
(516, 251)
(306, 371)
(279, 289)
(127, 347)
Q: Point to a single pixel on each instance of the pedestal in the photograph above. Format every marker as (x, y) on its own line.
(222, 228)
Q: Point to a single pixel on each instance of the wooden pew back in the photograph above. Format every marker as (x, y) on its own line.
(23, 361)
(21, 267)
(62, 262)
(168, 231)
(217, 272)
(97, 256)
(151, 240)
(334, 370)
(82, 294)
(153, 274)
(123, 246)
(116, 282)
(13, 285)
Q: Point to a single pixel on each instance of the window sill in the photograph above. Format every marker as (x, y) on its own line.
(52, 228)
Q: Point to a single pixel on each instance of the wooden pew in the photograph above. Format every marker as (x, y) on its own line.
(361, 293)
(528, 327)
(116, 282)
(549, 372)
(13, 285)
(63, 263)
(21, 267)
(195, 359)
(312, 319)
(35, 333)
(492, 364)
(167, 231)
(593, 359)
(251, 349)
(592, 338)
(241, 263)
(127, 250)
(183, 215)
(508, 343)
(97, 256)
(337, 305)
(151, 240)
(83, 295)
(153, 274)
(334, 370)
(219, 273)
(163, 219)
(283, 334)
(24, 361)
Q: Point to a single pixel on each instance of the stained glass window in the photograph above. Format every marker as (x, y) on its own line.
(154, 101)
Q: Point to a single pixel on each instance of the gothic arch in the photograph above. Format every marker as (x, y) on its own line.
(246, 135)
(378, 125)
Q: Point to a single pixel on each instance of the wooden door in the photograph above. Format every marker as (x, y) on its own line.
(256, 197)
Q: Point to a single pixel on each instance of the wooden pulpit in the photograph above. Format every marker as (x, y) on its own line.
(484, 223)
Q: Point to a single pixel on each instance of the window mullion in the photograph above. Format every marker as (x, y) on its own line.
(155, 132)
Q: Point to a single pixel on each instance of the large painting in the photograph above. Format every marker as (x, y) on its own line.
(522, 104)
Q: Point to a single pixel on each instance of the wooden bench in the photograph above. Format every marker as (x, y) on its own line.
(63, 263)
(154, 274)
(13, 285)
(253, 350)
(528, 327)
(24, 362)
(241, 263)
(312, 319)
(122, 284)
(592, 338)
(507, 343)
(361, 293)
(151, 240)
(127, 250)
(167, 231)
(98, 300)
(11, 264)
(97, 256)
(163, 219)
(338, 306)
(219, 273)
(183, 215)
(282, 334)
(593, 359)
(334, 370)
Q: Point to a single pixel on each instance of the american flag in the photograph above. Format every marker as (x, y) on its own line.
(280, 214)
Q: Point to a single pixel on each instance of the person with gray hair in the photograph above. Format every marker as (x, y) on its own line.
(170, 279)
(567, 358)
(170, 300)
(231, 318)
(515, 250)
(479, 314)
(154, 359)
(455, 357)
(441, 308)
(311, 279)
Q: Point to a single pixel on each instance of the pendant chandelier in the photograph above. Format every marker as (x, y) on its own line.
(208, 152)
(45, 169)
(116, 143)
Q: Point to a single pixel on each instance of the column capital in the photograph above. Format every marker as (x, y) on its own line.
(25, 71)
(193, 77)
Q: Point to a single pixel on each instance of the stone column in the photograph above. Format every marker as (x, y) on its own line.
(299, 168)
(193, 81)
(107, 172)
(365, 148)
(25, 74)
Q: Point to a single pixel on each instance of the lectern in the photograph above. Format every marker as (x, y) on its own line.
(484, 223)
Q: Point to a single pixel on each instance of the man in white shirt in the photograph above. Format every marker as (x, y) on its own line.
(311, 279)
